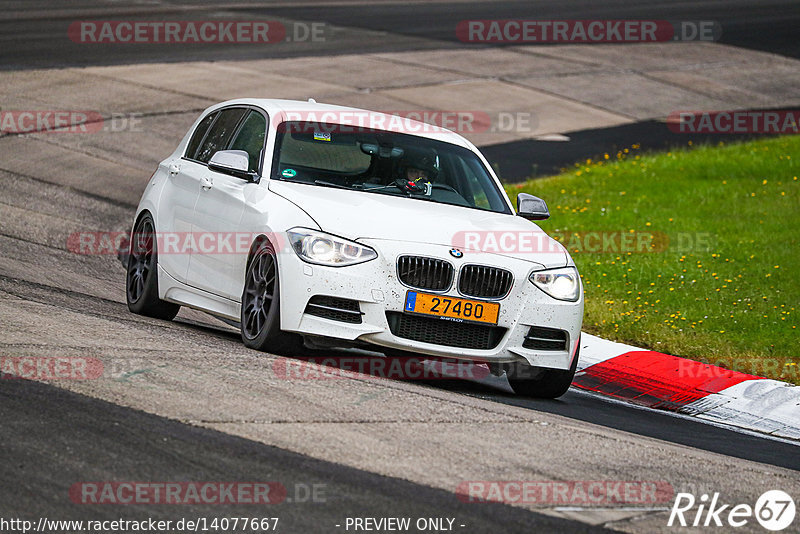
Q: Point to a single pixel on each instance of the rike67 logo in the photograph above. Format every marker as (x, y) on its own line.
(774, 510)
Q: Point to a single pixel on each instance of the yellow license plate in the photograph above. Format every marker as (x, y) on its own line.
(452, 307)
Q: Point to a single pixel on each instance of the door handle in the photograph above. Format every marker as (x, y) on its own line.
(206, 183)
(174, 169)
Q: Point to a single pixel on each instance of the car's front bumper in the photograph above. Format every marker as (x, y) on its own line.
(375, 285)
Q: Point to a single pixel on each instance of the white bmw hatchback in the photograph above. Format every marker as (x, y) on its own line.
(334, 225)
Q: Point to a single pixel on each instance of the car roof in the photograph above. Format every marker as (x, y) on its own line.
(317, 112)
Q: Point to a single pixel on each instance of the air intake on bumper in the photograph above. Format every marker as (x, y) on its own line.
(335, 308)
(443, 332)
(542, 338)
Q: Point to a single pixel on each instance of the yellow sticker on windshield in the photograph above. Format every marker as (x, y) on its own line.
(322, 136)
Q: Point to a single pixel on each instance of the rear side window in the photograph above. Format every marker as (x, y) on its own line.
(199, 134)
(220, 133)
(251, 138)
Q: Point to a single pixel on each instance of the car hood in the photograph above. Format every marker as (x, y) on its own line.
(359, 215)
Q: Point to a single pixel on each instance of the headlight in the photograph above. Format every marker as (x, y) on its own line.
(561, 284)
(325, 249)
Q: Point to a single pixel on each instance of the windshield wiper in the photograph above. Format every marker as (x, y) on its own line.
(403, 186)
(379, 187)
(331, 184)
(362, 187)
(400, 185)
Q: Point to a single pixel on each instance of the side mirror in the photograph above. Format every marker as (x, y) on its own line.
(532, 208)
(233, 162)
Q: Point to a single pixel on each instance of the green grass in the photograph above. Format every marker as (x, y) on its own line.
(724, 288)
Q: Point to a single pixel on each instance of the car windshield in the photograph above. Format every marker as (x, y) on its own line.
(387, 163)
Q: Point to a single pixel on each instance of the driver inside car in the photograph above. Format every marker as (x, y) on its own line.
(413, 174)
(419, 168)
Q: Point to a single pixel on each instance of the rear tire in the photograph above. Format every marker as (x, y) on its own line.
(541, 383)
(141, 281)
(261, 316)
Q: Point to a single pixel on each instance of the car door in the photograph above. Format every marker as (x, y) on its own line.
(176, 204)
(218, 213)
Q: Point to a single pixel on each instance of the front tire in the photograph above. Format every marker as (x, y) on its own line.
(541, 383)
(260, 316)
(141, 281)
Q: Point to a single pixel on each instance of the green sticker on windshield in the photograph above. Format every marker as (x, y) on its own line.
(289, 173)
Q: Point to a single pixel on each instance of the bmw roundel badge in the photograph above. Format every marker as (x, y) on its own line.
(456, 253)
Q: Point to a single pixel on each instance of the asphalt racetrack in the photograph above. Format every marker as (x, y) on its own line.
(32, 31)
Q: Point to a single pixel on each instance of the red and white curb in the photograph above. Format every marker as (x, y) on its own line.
(708, 392)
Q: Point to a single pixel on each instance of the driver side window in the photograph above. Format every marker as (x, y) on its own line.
(220, 133)
(251, 139)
